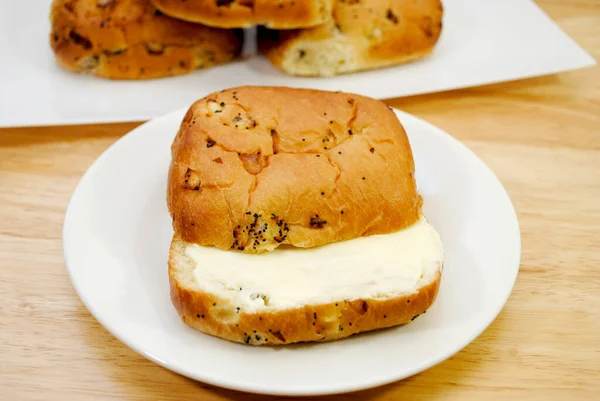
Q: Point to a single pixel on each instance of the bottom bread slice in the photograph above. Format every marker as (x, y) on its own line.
(269, 299)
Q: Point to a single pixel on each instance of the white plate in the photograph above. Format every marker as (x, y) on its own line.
(483, 41)
(116, 240)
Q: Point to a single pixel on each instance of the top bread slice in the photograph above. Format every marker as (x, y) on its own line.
(130, 39)
(362, 35)
(276, 14)
(257, 167)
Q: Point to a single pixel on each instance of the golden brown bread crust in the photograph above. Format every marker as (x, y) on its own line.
(130, 39)
(327, 322)
(276, 14)
(256, 167)
(362, 35)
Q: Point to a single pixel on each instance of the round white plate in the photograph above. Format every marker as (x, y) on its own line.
(116, 238)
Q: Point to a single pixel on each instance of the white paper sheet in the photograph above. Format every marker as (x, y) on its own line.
(483, 41)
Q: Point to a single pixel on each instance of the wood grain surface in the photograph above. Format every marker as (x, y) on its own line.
(540, 136)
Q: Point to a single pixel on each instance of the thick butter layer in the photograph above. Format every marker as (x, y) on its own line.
(377, 266)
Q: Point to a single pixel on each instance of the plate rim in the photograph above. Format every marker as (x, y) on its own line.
(278, 391)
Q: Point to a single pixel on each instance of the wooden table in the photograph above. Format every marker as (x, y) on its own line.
(540, 136)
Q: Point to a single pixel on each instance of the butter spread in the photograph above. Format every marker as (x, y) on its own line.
(377, 266)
